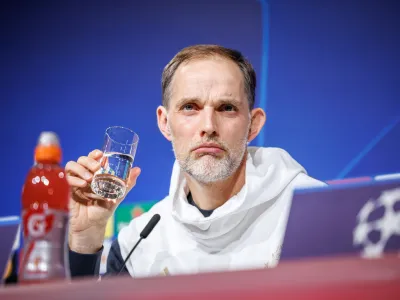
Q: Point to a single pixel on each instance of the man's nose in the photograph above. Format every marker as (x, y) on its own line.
(209, 122)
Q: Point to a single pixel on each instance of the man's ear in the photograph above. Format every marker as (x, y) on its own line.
(162, 120)
(258, 118)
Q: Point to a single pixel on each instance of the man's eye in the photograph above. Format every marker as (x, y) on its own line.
(188, 107)
(228, 107)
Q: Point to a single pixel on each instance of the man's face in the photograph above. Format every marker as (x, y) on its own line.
(209, 118)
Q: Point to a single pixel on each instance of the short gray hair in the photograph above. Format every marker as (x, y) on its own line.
(204, 51)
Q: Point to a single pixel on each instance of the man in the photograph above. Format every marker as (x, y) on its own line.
(228, 203)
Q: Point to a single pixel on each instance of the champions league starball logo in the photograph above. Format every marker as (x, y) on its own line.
(385, 226)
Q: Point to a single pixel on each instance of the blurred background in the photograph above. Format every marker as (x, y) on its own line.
(327, 78)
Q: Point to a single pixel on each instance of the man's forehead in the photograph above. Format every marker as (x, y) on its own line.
(202, 77)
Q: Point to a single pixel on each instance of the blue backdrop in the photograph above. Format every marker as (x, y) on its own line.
(327, 77)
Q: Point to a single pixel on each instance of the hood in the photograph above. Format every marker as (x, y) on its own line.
(268, 173)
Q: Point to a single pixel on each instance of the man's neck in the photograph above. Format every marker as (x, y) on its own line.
(215, 194)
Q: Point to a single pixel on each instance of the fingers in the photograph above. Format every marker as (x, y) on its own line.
(81, 171)
(74, 168)
(95, 154)
(80, 174)
(76, 182)
(89, 163)
(133, 175)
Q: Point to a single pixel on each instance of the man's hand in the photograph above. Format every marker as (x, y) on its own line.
(89, 213)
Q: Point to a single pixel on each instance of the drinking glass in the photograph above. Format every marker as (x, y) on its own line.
(119, 150)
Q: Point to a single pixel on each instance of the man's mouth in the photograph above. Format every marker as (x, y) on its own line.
(208, 148)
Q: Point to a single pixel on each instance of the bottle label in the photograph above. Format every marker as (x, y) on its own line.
(44, 255)
(38, 224)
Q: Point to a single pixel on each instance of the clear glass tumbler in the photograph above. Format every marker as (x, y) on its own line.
(119, 150)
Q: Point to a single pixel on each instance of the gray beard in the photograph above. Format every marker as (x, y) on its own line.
(208, 169)
(213, 170)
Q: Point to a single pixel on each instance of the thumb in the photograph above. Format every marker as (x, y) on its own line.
(133, 175)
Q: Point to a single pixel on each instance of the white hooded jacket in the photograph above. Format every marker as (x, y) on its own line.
(244, 233)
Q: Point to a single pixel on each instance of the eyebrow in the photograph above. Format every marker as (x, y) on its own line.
(220, 101)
